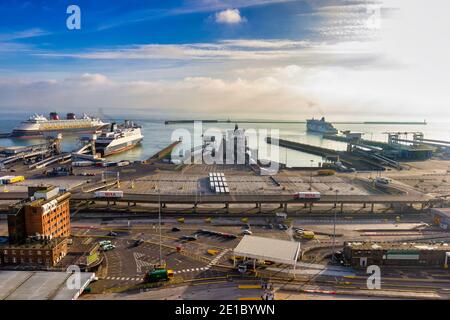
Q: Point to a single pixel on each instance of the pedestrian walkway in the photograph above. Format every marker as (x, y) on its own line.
(124, 278)
(217, 258)
(191, 270)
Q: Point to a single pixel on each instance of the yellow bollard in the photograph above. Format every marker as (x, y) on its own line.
(180, 220)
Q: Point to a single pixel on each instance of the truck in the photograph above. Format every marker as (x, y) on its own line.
(12, 179)
(123, 163)
(109, 194)
(308, 235)
(307, 196)
(82, 163)
(157, 275)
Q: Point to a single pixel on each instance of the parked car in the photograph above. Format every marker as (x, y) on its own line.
(282, 226)
(175, 229)
(104, 242)
(189, 238)
(247, 232)
(112, 234)
(138, 242)
(108, 247)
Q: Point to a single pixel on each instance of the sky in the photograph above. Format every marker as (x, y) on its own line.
(253, 59)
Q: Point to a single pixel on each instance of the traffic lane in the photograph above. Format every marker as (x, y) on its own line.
(252, 198)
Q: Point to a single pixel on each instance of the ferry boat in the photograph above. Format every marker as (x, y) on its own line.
(119, 138)
(38, 125)
(320, 126)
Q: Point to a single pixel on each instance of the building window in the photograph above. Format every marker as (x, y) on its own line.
(14, 260)
(39, 260)
(30, 260)
(39, 252)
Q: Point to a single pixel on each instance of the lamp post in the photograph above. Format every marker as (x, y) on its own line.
(159, 222)
(310, 176)
(334, 226)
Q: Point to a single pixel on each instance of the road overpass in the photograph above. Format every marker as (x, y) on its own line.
(257, 199)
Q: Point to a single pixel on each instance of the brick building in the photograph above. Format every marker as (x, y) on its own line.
(43, 253)
(47, 215)
(38, 228)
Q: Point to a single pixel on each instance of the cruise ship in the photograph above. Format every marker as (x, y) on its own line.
(38, 125)
(119, 138)
(320, 126)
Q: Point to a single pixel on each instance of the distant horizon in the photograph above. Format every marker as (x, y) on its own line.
(22, 115)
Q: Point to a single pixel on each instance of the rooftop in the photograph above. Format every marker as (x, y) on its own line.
(41, 285)
(397, 246)
(280, 251)
(47, 244)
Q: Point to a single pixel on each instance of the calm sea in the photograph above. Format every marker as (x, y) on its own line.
(158, 135)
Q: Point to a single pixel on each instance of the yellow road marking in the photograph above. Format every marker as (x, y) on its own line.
(249, 286)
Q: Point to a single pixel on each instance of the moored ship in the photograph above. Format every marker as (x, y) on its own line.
(119, 138)
(38, 125)
(320, 126)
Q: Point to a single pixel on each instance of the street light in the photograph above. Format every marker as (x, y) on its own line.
(334, 226)
(310, 176)
(159, 222)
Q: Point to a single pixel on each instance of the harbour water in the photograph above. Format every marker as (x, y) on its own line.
(157, 135)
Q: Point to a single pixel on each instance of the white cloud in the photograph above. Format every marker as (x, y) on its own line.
(28, 33)
(229, 16)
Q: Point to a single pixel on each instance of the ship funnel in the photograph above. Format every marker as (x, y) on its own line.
(54, 116)
(113, 127)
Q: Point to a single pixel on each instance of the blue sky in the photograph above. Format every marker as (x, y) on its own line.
(286, 59)
(40, 26)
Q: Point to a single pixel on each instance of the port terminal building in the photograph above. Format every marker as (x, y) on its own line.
(363, 254)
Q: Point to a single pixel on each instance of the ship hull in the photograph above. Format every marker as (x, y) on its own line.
(320, 127)
(24, 134)
(322, 131)
(108, 151)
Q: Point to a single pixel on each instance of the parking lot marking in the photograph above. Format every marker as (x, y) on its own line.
(140, 263)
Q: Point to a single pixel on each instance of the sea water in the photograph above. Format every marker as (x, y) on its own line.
(157, 135)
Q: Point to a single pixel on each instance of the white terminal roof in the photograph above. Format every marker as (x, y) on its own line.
(280, 251)
(41, 285)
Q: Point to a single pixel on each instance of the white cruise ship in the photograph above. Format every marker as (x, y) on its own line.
(320, 126)
(119, 139)
(38, 125)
